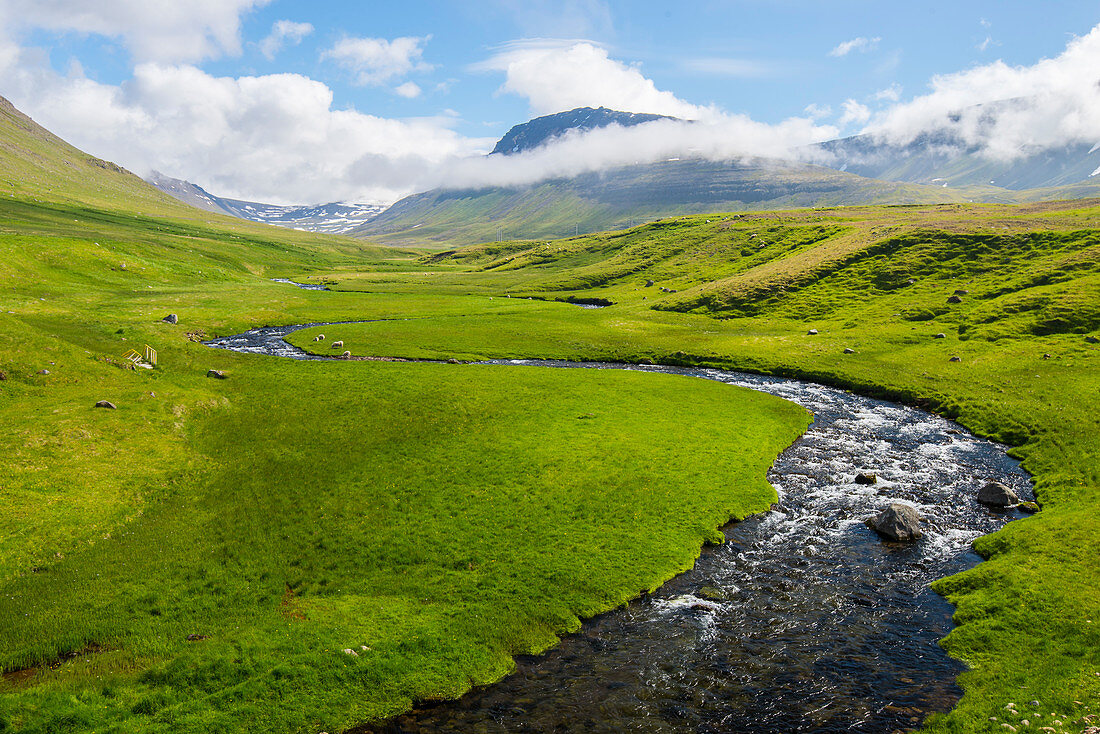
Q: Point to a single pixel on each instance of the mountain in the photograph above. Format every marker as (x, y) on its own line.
(629, 195)
(334, 218)
(945, 160)
(37, 165)
(542, 130)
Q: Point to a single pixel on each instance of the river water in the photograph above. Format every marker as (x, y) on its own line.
(803, 621)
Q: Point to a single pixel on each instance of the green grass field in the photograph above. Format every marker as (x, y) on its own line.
(437, 519)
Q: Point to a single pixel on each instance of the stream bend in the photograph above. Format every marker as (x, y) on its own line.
(803, 621)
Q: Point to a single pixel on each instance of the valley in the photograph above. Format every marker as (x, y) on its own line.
(311, 546)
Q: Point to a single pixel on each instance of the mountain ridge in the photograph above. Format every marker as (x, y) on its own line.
(542, 130)
(331, 218)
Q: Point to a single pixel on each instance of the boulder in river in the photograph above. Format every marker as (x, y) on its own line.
(866, 477)
(996, 494)
(171, 319)
(897, 522)
(106, 404)
(216, 374)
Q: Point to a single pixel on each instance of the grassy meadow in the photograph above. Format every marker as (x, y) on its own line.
(307, 545)
(433, 519)
(1015, 358)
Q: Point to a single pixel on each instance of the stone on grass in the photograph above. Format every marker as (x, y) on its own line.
(3, 377)
(43, 372)
(216, 374)
(171, 319)
(1092, 340)
(106, 404)
(955, 359)
(866, 477)
(961, 292)
(954, 299)
(811, 332)
(897, 522)
(849, 350)
(649, 284)
(941, 335)
(996, 494)
(196, 638)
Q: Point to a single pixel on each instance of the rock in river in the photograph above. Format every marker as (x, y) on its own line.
(866, 477)
(996, 494)
(896, 522)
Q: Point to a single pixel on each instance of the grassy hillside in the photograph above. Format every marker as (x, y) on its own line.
(618, 198)
(200, 557)
(876, 281)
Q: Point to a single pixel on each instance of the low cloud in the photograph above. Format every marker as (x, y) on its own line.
(375, 61)
(284, 32)
(561, 75)
(860, 44)
(1007, 111)
(722, 138)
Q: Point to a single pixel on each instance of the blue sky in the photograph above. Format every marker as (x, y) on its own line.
(298, 101)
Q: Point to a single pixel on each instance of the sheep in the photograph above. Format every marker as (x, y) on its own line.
(346, 355)
(337, 345)
(319, 338)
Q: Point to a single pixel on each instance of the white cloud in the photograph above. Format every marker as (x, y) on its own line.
(152, 30)
(722, 138)
(377, 61)
(1008, 111)
(408, 90)
(853, 111)
(860, 44)
(282, 33)
(891, 93)
(561, 75)
(274, 138)
(985, 44)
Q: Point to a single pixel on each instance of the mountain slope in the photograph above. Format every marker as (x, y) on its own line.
(39, 165)
(332, 218)
(624, 196)
(944, 160)
(542, 130)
